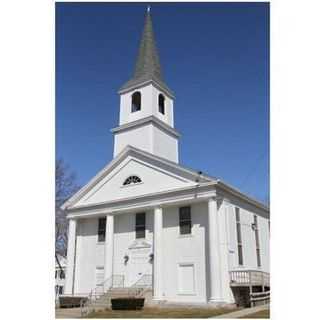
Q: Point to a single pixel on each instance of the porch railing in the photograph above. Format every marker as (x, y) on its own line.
(249, 277)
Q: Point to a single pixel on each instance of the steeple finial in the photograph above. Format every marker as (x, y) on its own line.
(148, 63)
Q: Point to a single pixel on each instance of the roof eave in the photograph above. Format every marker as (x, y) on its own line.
(126, 88)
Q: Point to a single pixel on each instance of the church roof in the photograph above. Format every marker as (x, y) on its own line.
(147, 66)
(204, 179)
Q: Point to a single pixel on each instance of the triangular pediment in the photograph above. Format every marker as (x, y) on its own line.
(155, 174)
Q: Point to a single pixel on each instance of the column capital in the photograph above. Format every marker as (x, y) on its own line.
(158, 206)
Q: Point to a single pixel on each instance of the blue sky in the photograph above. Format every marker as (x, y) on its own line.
(214, 56)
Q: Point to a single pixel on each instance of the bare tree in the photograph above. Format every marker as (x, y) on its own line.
(66, 186)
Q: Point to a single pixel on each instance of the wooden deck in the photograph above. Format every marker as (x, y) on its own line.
(249, 279)
(241, 278)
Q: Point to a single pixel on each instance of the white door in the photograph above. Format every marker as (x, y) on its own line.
(138, 266)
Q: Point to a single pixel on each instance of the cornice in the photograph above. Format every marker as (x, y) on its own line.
(164, 198)
(138, 85)
(150, 119)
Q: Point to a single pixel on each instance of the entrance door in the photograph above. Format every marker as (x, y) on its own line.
(138, 266)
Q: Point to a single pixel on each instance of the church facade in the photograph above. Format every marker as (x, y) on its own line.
(146, 219)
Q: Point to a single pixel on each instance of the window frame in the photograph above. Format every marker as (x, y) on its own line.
(256, 235)
(185, 221)
(140, 226)
(132, 177)
(102, 229)
(136, 105)
(239, 236)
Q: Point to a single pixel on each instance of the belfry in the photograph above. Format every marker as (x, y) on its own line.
(146, 105)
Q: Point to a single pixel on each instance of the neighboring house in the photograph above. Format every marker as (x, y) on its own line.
(146, 217)
(60, 274)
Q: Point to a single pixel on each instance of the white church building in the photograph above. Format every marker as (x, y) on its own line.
(147, 219)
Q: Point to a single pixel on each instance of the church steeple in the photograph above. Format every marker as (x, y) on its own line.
(146, 119)
(147, 68)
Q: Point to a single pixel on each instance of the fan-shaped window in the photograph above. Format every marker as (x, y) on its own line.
(132, 180)
(136, 101)
(161, 103)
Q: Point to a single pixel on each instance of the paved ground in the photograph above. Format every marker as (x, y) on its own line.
(258, 312)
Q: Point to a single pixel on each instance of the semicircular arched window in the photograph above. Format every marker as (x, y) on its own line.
(132, 180)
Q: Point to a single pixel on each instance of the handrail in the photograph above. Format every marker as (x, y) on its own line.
(105, 286)
(143, 282)
(259, 296)
(115, 281)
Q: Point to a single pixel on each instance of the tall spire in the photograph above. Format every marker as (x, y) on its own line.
(147, 66)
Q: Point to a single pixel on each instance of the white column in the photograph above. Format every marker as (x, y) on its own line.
(108, 248)
(214, 252)
(157, 252)
(71, 250)
(223, 216)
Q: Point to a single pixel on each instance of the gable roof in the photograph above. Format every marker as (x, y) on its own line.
(203, 179)
(144, 156)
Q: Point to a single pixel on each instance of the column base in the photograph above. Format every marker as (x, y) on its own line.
(157, 298)
(217, 301)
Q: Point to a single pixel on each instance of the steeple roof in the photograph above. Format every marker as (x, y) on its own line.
(147, 66)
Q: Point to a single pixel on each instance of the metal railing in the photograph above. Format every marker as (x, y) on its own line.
(144, 282)
(100, 290)
(114, 282)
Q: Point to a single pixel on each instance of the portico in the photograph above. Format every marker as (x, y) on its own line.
(158, 246)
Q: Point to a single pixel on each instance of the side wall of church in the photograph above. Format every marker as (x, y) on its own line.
(248, 239)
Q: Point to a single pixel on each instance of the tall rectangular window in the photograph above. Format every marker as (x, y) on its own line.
(256, 232)
(239, 239)
(140, 225)
(185, 220)
(102, 230)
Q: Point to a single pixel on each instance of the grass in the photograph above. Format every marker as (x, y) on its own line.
(159, 313)
(265, 314)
